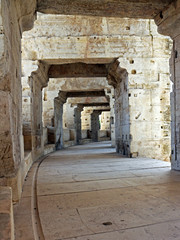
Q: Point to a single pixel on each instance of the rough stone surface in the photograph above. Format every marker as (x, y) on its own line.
(142, 115)
(92, 40)
(11, 140)
(169, 25)
(120, 8)
(6, 214)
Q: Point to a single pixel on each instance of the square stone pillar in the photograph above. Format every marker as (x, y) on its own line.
(169, 24)
(37, 81)
(58, 119)
(175, 106)
(77, 123)
(95, 126)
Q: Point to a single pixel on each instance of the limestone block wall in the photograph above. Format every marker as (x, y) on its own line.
(153, 121)
(10, 91)
(48, 106)
(86, 118)
(142, 110)
(68, 116)
(105, 121)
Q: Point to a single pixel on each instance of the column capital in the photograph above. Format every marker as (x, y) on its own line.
(41, 74)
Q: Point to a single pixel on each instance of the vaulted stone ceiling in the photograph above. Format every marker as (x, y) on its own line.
(107, 8)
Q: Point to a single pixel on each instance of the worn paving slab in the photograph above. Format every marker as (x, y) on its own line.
(88, 192)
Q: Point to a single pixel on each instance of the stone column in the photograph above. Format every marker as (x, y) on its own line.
(77, 122)
(112, 116)
(95, 126)
(118, 78)
(27, 68)
(37, 82)
(170, 26)
(58, 119)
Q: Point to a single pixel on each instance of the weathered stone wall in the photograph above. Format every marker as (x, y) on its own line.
(150, 115)
(143, 119)
(13, 16)
(169, 26)
(68, 115)
(10, 91)
(6, 214)
(86, 118)
(105, 121)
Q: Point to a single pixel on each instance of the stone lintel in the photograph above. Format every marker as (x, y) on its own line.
(99, 111)
(118, 8)
(74, 70)
(87, 100)
(95, 104)
(86, 94)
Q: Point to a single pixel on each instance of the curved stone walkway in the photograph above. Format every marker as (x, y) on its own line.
(88, 192)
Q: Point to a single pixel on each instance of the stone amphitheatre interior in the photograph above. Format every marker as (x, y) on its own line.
(89, 119)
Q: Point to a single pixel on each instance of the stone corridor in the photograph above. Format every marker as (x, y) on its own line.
(89, 192)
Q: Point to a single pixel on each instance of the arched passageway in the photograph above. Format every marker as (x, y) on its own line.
(43, 52)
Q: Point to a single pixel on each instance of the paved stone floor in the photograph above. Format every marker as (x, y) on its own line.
(88, 192)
